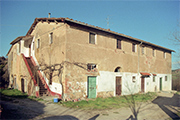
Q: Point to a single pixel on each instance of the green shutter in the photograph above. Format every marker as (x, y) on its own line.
(91, 87)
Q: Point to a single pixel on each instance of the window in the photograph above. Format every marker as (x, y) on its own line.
(165, 78)
(19, 46)
(118, 44)
(142, 50)
(118, 69)
(133, 47)
(38, 43)
(153, 52)
(164, 54)
(91, 67)
(51, 38)
(92, 38)
(133, 78)
(154, 78)
(33, 45)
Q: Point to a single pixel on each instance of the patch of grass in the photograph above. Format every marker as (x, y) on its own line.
(108, 103)
(178, 92)
(13, 93)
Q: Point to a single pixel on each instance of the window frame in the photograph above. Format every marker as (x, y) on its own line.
(38, 43)
(153, 52)
(164, 54)
(90, 38)
(91, 66)
(143, 50)
(133, 47)
(19, 46)
(51, 38)
(118, 43)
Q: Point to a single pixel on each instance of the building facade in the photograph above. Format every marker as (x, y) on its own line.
(76, 61)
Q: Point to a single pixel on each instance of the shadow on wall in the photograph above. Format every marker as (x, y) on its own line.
(168, 105)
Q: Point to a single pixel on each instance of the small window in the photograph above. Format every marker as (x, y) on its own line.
(51, 38)
(166, 78)
(118, 69)
(133, 78)
(33, 45)
(38, 43)
(154, 78)
(133, 47)
(92, 38)
(118, 44)
(142, 50)
(91, 67)
(153, 52)
(19, 46)
(164, 54)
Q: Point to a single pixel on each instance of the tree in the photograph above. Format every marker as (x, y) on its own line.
(175, 38)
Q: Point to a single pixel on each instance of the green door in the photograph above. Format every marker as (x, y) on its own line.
(160, 87)
(92, 87)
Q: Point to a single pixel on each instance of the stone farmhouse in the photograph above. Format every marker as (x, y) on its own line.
(75, 60)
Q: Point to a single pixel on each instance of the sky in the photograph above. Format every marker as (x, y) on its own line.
(152, 21)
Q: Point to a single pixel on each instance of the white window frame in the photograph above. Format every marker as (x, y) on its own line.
(38, 43)
(51, 38)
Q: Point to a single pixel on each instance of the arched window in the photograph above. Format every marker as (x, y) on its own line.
(118, 69)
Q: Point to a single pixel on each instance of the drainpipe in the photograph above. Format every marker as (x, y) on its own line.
(139, 55)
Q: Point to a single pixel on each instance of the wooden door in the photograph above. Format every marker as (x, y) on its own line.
(160, 87)
(118, 85)
(92, 87)
(22, 84)
(142, 84)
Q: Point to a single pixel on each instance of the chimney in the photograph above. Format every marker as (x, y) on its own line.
(49, 15)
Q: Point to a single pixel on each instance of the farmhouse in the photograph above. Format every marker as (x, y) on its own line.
(75, 60)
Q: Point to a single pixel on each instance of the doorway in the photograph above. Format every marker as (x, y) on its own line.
(160, 83)
(22, 85)
(92, 87)
(142, 84)
(118, 85)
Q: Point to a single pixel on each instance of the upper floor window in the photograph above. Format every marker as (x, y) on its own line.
(164, 54)
(142, 50)
(118, 44)
(33, 45)
(51, 38)
(92, 38)
(133, 47)
(153, 52)
(19, 46)
(38, 43)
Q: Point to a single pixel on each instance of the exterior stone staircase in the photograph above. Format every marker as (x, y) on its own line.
(42, 90)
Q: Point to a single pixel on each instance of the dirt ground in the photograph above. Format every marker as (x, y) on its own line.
(165, 106)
